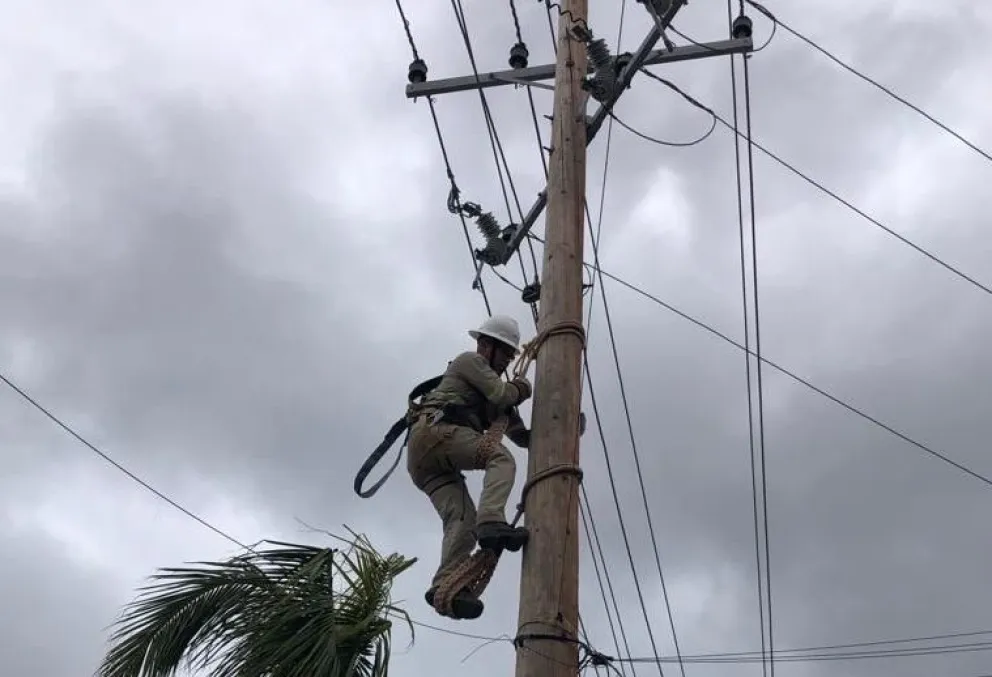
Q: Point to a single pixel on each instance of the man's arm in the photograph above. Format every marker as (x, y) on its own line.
(516, 430)
(473, 368)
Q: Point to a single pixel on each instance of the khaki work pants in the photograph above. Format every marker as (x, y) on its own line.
(437, 455)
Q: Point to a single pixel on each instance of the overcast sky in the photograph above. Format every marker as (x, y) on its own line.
(226, 258)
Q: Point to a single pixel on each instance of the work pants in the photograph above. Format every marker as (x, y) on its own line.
(436, 457)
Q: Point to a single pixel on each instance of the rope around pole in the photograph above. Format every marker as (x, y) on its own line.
(475, 571)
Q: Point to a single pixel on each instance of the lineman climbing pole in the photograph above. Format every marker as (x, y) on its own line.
(547, 638)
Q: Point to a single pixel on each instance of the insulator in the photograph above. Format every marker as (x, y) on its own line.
(488, 226)
(417, 72)
(599, 54)
(518, 55)
(603, 79)
(743, 27)
(531, 293)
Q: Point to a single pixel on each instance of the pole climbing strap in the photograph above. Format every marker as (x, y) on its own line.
(475, 571)
(540, 476)
(399, 428)
(528, 353)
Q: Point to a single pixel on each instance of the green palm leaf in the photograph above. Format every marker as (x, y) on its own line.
(287, 611)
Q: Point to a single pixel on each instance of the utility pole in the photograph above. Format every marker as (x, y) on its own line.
(547, 633)
(549, 583)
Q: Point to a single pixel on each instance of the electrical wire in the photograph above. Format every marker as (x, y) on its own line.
(662, 142)
(616, 500)
(747, 356)
(886, 90)
(768, 40)
(798, 379)
(814, 654)
(476, 265)
(106, 457)
(824, 189)
(495, 142)
(585, 513)
(637, 465)
(759, 370)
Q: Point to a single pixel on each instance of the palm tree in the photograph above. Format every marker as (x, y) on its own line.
(287, 611)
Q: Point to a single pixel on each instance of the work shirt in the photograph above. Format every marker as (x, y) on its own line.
(481, 395)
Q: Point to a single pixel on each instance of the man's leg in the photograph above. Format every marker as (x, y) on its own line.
(433, 473)
(456, 509)
(500, 472)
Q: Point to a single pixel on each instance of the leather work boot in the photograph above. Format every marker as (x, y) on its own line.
(464, 605)
(499, 535)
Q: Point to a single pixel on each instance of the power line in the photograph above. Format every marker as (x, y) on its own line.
(747, 356)
(588, 525)
(494, 140)
(819, 658)
(823, 188)
(616, 502)
(662, 142)
(757, 352)
(854, 71)
(795, 655)
(637, 465)
(106, 457)
(782, 370)
(453, 194)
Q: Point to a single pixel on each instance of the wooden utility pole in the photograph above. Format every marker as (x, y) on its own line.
(547, 634)
(549, 585)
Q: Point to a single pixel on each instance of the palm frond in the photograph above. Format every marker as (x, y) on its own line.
(289, 610)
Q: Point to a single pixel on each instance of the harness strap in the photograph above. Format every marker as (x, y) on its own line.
(399, 428)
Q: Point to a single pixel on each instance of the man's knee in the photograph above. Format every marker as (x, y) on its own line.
(498, 457)
(505, 458)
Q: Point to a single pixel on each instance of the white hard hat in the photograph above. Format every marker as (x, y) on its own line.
(500, 327)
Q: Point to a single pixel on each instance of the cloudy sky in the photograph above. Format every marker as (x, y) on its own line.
(226, 258)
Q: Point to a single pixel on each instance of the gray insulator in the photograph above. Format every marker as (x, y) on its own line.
(604, 78)
(599, 54)
(488, 226)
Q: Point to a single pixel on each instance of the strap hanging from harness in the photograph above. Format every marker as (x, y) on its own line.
(399, 428)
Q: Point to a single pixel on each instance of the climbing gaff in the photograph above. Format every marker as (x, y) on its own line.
(401, 427)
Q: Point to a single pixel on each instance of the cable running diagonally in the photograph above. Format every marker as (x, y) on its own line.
(798, 379)
(106, 457)
(882, 88)
(824, 189)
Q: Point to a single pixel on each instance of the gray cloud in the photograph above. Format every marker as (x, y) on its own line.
(234, 275)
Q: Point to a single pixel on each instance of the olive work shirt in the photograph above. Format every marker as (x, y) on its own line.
(471, 384)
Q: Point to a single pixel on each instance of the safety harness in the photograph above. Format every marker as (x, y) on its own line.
(399, 428)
